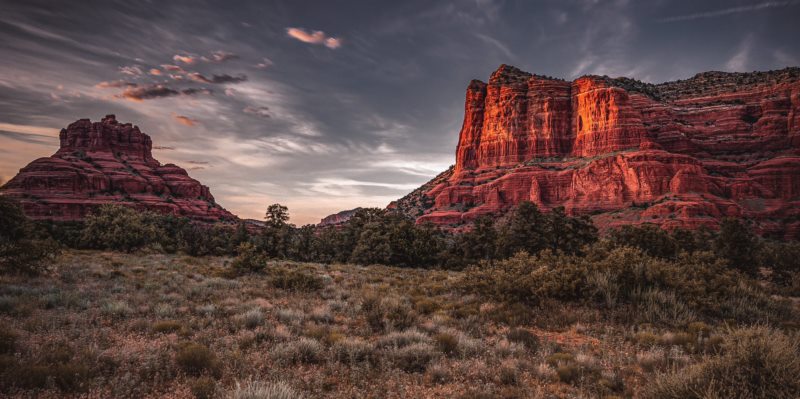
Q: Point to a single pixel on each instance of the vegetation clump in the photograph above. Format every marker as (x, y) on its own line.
(756, 362)
(21, 249)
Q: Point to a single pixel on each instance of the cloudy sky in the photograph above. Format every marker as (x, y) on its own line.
(329, 105)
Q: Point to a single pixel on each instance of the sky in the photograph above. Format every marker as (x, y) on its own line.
(328, 105)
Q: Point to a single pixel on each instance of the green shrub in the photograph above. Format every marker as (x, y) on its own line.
(756, 362)
(669, 292)
(447, 343)
(116, 309)
(248, 259)
(352, 350)
(21, 251)
(524, 337)
(196, 359)
(529, 279)
(385, 313)
(121, 228)
(167, 326)
(662, 307)
(651, 239)
(304, 350)
(412, 358)
(296, 280)
(204, 387)
(568, 373)
(251, 318)
(508, 374)
(783, 259)
(737, 244)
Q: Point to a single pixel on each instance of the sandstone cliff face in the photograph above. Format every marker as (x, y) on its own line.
(679, 154)
(108, 162)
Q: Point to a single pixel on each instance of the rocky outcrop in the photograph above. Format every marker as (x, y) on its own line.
(108, 162)
(337, 218)
(679, 154)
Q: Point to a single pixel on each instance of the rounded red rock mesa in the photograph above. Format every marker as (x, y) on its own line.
(108, 162)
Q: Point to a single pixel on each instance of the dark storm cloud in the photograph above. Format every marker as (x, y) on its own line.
(148, 92)
(344, 104)
(259, 111)
(217, 79)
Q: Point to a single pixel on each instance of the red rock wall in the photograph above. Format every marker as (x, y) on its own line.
(680, 154)
(108, 162)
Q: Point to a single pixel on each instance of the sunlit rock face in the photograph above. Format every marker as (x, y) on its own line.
(679, 154)
(108, 162)
(338, 218)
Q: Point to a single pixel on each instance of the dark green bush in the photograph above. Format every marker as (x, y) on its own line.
(783, 258)
(249, 259)
(737, 244)
(21, 251)
(296, 280)
(196, 359)
(524, 337)
(665, 291)
(204, 388)
(121, 228)
(651, 239)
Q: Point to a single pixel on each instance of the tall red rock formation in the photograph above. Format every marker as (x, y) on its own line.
(108, 162)
(679, 154)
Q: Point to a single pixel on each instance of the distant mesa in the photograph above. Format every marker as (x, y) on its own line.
(678, 154)
(108, 162)
(337, 218)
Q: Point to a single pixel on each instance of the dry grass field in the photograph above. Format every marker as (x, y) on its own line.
(106, 324)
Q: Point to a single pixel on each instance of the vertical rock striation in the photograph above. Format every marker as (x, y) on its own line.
(679, 154)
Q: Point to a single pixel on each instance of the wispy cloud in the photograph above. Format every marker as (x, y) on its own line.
(172, 68)
(185, 120)
(134, 70)
(28, 129)
(265, 63)
(741, 60)
(114, 84)
(731, 10)
(496, 44)
(315, 37)
(219, 56)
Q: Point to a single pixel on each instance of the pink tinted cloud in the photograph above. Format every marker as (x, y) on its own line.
(315, 37)
(186, 59)
(185, 120)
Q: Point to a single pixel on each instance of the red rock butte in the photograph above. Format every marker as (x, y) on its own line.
(108, 162)
(678, 154)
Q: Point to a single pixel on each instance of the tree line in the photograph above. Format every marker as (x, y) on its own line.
(381, 236)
